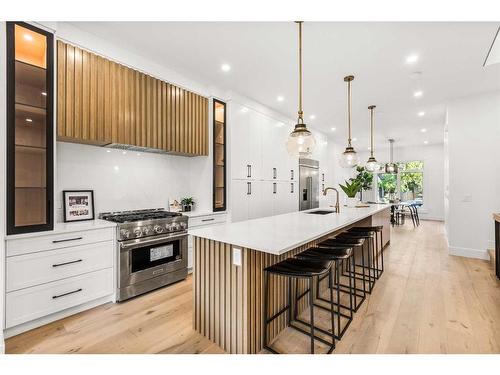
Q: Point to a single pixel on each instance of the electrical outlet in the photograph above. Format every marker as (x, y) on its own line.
(237, 256)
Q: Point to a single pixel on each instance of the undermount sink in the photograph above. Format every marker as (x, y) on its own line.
(321, 212)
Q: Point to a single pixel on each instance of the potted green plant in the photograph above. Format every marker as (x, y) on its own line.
(351, 188)
(365, 180)
(187, 204)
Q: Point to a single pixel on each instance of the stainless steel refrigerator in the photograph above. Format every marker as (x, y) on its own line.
(308, 184)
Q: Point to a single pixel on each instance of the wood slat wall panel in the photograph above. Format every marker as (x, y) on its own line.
(61, 89)
(102, 102)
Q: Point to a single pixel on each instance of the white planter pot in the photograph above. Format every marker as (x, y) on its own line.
(352, 202)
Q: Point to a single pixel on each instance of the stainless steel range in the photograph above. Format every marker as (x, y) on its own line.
(152, 249)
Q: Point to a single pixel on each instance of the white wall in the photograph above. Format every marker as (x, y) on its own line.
(433, 158)
(474, 173)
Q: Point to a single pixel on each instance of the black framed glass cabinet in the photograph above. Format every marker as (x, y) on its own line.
(29, 128)
(219, 178)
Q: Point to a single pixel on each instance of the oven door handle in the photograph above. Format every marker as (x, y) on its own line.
(157, 240)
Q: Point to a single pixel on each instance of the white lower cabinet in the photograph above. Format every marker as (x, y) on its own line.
(202, 221)
(53, 272)
(32, 303)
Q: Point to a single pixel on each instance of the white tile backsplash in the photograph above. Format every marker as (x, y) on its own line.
(122, 180)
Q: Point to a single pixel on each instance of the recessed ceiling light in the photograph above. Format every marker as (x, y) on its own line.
(421, 113)
(225, 67)
(418, 94)
(29, 120)
(426, 142)
(108, 150)
(44, 93)
(369, 148)
(312, 117)
(333, 129)
(244, 110)
(423, 130)
(354, 139)
(412, 59)
(124, 152)
(28, 37)
(280, 98)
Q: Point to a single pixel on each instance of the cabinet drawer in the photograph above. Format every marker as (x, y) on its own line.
(42, 300)
(28, 270)
(57, 241)
(206, 220)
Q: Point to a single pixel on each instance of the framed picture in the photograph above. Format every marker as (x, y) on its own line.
(78, 205)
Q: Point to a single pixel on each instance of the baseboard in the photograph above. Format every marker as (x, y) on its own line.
(431, 218)
(469, 253)
(16, 330)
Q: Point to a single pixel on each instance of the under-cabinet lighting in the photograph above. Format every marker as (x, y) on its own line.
(29, 120)
(280, 98)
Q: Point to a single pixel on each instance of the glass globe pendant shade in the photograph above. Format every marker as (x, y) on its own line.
(349, 158)
(391, 168)
(300, 142)
(372, 164)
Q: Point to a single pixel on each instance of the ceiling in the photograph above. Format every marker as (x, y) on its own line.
(263, 60)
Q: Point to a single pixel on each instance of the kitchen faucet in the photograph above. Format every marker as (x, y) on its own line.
(337, 206)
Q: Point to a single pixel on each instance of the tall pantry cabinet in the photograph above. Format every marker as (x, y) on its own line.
(264, 178)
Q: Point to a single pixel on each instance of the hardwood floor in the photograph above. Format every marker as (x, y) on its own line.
(426, 302)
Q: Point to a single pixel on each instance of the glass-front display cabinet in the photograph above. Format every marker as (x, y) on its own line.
(29, 128)
(219, 129)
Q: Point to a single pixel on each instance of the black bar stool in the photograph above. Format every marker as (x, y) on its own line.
(293, 268)
(337, 254)
(379, 248)
(357, 245)
(370, 264)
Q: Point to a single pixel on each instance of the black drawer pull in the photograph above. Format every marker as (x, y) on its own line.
(291, 174)
(274, 188)
(66, 263)
(275, 173)
(211, 219)
(68, 239)
(67, 294)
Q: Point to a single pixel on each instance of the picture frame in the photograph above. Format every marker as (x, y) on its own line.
(78, 205)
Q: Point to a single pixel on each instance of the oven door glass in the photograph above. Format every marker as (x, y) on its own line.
(150, 256)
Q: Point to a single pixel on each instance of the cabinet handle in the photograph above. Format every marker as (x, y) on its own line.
(291, 188)
(274, 173)
(249, 171)
(322, 177)
(274, 187)
(67, 239)
(66, 263)
(67, 294)
(291, 174)
(211, 219)
(249, 188)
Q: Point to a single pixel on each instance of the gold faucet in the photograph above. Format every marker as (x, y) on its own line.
(337, 206)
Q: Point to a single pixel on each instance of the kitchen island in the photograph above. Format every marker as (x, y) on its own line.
(228, 269)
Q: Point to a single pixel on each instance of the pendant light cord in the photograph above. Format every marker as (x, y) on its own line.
(371, 108)
(300, 113)
(349, 111)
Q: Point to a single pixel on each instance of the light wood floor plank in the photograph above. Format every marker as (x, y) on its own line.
(426, 302)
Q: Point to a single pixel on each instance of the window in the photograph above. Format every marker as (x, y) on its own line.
(407, 184)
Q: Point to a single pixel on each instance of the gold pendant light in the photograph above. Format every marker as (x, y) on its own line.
(349, 157)
(300, 142)
(372, 164)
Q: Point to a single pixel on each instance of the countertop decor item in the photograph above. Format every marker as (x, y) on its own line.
(351, 188)
(187, 204)
(349, 157)
(300, 142)
(174, 205)
(391, 167)
(372, 164)
(365, 180)
(78, 205)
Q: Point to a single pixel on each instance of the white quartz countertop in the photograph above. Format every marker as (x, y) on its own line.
(66, 227)
(279, 234)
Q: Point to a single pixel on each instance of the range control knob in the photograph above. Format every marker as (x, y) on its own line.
(184, 225)
(125, 233)
(146, 230)
(175, 226)
(158, 229)
(137, 232)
